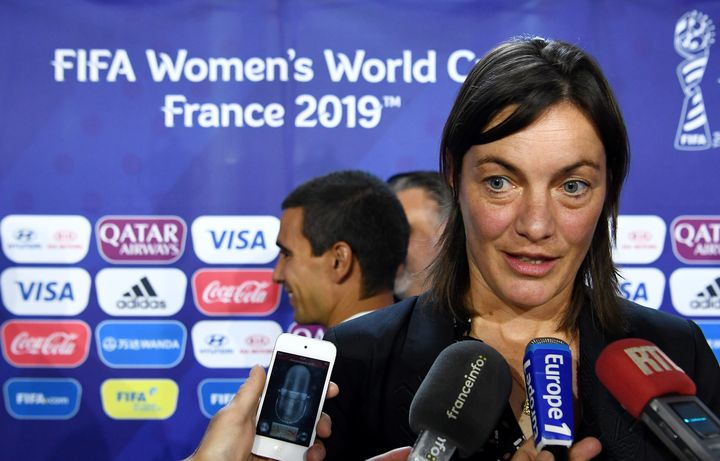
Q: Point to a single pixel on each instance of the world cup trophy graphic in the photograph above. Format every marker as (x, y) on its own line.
(694, 33)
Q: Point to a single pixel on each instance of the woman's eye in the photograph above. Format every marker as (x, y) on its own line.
(497, 182)
(574, 187)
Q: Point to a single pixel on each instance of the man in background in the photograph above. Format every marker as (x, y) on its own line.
(342, 238)
(423, 195)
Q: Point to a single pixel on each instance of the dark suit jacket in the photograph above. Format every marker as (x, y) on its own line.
(384, 356)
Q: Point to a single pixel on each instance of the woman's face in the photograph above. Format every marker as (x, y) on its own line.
(530, 203)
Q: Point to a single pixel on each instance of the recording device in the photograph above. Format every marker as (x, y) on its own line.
(292, 399)
(651, 387)
(548, 381)
(459, 402)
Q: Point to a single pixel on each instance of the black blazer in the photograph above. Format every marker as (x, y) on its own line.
(383, 357)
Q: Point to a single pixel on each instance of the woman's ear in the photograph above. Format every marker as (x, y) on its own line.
(342, 261)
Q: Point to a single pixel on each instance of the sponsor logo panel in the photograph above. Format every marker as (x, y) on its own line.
(640, 239)
(235, 291)
(644, 286)
(141, 239)
(141, 344)
(138, 292)
(309, 331)
(213, 394)
(235, 239)
(696, 239)
(45, 290)
(711, 330)
(45, 239)
(41, 343)
(139, 398)
(234, 343)
(42, 398)
(696, 291)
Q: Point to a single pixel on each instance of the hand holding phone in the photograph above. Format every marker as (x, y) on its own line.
(292, 399)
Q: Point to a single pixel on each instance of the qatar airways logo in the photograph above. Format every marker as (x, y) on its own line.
(696, 239)
(470, 378)
(42, 343)
(141, 239)
(241, 292)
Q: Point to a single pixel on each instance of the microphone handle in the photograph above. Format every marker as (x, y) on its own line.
(430, 445)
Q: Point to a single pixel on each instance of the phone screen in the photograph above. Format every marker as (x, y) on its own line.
(293, 396)
(696, 419)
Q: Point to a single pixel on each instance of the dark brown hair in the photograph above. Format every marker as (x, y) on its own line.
(532, 75)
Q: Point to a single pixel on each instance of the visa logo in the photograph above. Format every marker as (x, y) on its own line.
(634, 293)
(235, 239)
(46, 291)
(238, 240)
(642, 285)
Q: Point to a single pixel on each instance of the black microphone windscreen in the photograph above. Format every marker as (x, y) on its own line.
(463, 395)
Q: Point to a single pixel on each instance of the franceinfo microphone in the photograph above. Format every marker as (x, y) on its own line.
(548, 380)
(651, 387)
(459, 402)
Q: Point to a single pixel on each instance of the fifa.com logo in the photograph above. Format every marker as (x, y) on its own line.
(694, 34)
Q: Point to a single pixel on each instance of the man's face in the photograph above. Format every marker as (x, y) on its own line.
(426, 225)
(306, 278)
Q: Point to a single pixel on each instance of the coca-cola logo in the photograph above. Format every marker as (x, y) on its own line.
(235, 291)
(37, 343)
(58, 343)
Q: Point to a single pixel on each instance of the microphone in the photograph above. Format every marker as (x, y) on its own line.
(548, 380)
(459, 402)
(651, 387)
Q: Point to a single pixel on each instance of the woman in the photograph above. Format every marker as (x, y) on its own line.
(535, 152)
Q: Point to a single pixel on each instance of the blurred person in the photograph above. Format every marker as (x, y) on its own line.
(342, 238)
(425, 198)
(535, 152)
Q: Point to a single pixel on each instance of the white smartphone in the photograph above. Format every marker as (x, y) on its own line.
(291, 402)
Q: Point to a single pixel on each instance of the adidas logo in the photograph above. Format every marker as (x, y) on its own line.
(142, 295)
(709, 298)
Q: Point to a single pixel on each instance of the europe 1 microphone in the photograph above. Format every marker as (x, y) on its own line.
(460, 401)
(651, 387)
(547, 366)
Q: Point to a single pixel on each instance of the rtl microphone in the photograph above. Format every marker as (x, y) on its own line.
(459, 402)
(651, 387)
(548, 380)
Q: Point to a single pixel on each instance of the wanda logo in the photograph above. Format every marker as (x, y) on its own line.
(36, 343)
(235, 291)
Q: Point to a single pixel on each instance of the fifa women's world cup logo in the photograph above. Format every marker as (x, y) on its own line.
(694, 33)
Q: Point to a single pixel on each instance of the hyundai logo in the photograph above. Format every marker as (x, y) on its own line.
(25, 235)
(216, 340)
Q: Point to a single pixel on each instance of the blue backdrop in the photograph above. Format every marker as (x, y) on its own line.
(145, 148)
